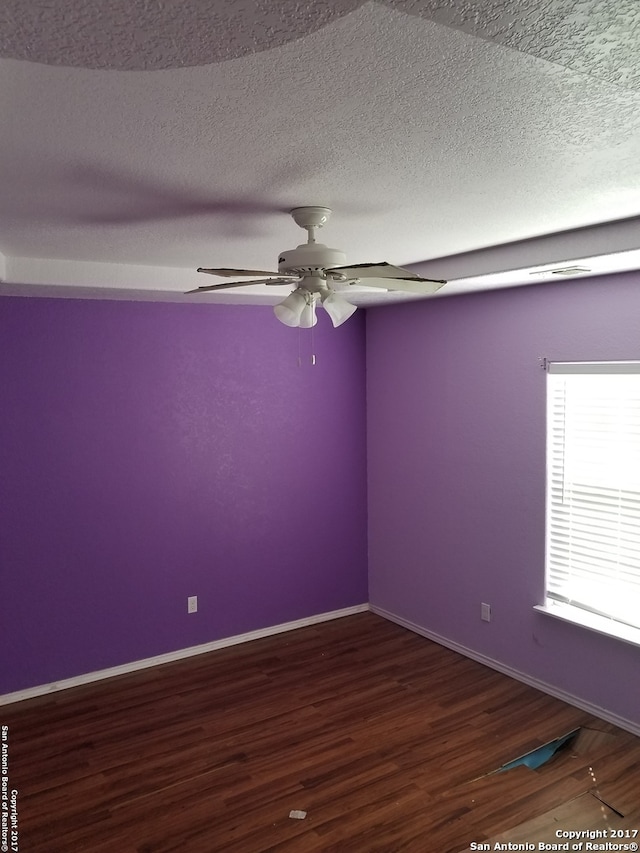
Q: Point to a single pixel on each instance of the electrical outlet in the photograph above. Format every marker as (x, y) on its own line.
(192, 604)
(485, 612)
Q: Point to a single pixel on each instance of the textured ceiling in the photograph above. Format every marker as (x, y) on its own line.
(596, 37)
(161, 136)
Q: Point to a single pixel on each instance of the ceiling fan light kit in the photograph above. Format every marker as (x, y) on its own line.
(308, 317)
(290, 310)
(315, 269)
(337, 308)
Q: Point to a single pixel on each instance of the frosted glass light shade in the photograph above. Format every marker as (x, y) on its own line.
(308, 317)
(290, 310)
(337, 308)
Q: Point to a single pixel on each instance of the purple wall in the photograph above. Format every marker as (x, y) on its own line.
(456, 468)
(151, 451)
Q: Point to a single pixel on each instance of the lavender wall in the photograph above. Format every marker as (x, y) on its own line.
(456, 467)
(154, 451)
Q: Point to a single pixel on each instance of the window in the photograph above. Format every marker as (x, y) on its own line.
(593, 495)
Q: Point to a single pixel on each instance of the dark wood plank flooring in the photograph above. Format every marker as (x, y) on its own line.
(384, 738)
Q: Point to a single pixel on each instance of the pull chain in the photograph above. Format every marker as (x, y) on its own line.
(313, 355)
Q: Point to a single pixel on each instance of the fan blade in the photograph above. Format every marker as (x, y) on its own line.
(422, 286)
(226, 284)
(227, 272)
(381, 270)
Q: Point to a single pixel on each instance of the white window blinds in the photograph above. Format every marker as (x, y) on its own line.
(593, 487)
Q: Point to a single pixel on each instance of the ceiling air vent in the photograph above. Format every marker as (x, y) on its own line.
(562, 271)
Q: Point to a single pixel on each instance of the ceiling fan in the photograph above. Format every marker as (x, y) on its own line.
(317, 270)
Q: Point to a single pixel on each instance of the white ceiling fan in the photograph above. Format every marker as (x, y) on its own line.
(317, 271)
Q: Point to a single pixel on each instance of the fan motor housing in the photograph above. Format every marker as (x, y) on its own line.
(310, 257)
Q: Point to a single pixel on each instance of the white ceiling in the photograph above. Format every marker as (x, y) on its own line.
(145, 139)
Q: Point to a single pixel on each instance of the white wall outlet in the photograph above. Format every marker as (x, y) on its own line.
(485, 612)
(192, 604)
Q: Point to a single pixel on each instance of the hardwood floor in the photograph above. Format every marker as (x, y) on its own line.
(384, 738)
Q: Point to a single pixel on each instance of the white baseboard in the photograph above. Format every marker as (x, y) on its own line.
(570, 699)
(40, 690)
(556, 692)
